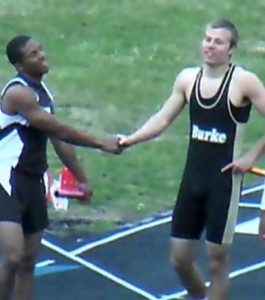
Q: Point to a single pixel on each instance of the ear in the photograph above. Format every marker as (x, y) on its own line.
(19, 67)
(231, 50)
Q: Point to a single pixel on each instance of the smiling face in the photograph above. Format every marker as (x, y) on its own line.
(34, 61)
(217, 46)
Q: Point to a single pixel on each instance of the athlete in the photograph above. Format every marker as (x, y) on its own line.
(219, 96)
(26, 122)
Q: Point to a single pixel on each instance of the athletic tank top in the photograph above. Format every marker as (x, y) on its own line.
(23, 147)
(216, 128)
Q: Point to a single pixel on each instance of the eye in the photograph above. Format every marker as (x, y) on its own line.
(34, 53)
(219, 42)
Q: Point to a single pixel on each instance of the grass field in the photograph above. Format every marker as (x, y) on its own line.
(113, 64)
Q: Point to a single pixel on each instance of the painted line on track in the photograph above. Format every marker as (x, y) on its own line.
(98, 270)
(151, 224)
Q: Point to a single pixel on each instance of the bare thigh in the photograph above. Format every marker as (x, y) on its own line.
(32, 244)
(11, 238)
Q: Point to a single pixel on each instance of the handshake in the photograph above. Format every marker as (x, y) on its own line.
(115, 144)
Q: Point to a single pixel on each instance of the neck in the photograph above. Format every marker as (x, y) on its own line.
(34, 79)
(215, 71)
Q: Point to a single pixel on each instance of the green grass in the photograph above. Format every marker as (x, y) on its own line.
(113, 64)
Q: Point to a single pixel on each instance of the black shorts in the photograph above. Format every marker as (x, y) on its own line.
(24, 202)
(210, 205)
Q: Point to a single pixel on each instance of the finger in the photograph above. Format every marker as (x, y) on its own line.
(120, 136)
(227, 167)
(118, 151)
(122, 142)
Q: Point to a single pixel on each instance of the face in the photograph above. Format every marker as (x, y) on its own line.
(34, 60)
(216, 46)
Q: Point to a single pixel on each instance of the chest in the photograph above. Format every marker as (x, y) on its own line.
(209, 88)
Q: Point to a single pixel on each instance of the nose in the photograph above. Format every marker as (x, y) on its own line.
(211, 44)
(42, 55)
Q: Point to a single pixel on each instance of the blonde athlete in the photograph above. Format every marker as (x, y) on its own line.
(219, 96)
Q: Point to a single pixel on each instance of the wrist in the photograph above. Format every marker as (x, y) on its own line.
(81, 178)
(131, 140)
(82, 182)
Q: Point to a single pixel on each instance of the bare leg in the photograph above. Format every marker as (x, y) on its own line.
(218, 256)
(25, 273)
(12, 241)
(182, 254)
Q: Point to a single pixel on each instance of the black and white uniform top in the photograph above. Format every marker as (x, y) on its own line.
(208, 198)
(23, 147)
(216, 128)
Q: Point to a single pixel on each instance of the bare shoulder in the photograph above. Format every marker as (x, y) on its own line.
(187, 76)
(18, 99)
(189, 73)
(245, 77)
(20, 93)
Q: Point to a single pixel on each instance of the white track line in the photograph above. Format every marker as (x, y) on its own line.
(98, 270)
(233, 274)
(72, 255)
(249, 205)
(45, 263)
(252, 189)
(151, 224)
(120, 235)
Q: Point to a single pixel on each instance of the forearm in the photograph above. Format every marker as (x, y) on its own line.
(257, 150)
(69, 158)
(151, 129)
(75, 137)
(63, 132)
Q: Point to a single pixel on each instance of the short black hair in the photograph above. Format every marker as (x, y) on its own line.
(228, 25)
(14, 46)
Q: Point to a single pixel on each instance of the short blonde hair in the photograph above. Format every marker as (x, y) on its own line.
(228, 25)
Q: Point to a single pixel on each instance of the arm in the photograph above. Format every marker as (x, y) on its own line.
(254, 91)
(68, 157)
(247, 161)
(162, 119)
(22, 100)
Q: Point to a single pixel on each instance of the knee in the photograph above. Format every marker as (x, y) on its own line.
(181, 262)
(218, 264)
(28, 263)
(12, 261)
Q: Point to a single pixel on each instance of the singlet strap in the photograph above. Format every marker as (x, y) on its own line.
(209, 103)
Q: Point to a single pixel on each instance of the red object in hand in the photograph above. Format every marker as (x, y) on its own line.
(68, 185)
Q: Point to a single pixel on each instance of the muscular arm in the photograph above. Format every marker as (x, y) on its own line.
(254, 90)
(22, 100)
(162, 119)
